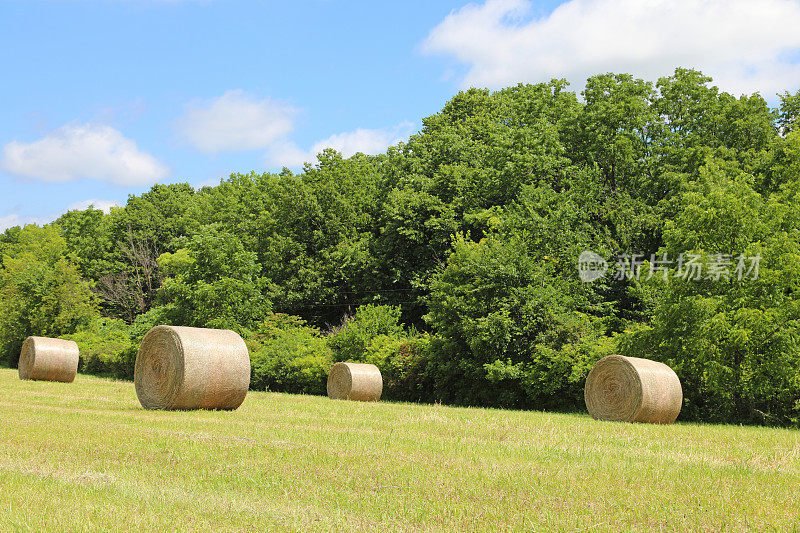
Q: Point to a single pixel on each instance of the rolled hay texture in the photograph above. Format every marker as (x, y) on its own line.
(631, 389)
(48, 359)
(355, 381)
(184, 368)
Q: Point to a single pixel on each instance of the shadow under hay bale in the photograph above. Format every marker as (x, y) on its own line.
(184, 368)
(630, 389)
(47, 359)
(355, 381)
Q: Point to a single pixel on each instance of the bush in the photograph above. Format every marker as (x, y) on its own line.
(288, 356)
(403, 362)
(349, 342)
(510, 333)
(374, 335)
(106, 348)
(143, 323)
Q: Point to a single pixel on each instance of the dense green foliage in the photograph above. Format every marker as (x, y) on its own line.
(450, 260)
(375, 335)
(289, 356)
(106, 348)
(41, 290)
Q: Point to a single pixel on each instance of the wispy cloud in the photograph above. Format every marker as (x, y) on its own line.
(746, 45)
(235, 121)
(9, 221)
(14, 219)
(78, 151)
(103, 205)
(367, 141)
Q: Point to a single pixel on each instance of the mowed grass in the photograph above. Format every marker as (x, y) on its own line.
(85, 456)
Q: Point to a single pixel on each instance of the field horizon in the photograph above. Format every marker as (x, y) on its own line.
(86, 457)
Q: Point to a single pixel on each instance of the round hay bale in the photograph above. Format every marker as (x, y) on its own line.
(47, 359)
(355, 381)
(631, 389)
(191, 368)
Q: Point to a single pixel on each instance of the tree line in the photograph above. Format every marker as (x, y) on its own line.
(450, 261)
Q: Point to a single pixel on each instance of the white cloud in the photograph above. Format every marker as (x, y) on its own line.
(367, 141)
(9, 221)
(745, 45)
(83, 151)
(14, 219)
(103, 205)
(235, 121)
(288, 154)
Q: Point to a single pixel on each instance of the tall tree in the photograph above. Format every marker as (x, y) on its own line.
(213, 282)
(41, 290)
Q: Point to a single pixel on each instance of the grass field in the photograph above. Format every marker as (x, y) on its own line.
(85, 456)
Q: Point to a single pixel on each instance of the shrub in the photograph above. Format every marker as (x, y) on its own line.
(349, 342)
(403, 362)
(511, 335)
(374, 335)
(143, 323)
(288, 356)
(105, 347)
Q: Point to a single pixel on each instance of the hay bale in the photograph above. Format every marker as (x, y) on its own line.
(191, 368)
(355, 381)
(631, 389)
(48, 359)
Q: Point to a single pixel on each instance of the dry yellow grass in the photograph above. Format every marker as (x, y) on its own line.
(87, 457)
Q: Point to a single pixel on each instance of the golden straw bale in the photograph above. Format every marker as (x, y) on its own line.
(355, 381)
(47, 359)
(191, 368)
(631, 389)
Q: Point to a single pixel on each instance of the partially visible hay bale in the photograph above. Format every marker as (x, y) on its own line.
(355, 381)
(48, 359)
(191, 368)
(631, 389)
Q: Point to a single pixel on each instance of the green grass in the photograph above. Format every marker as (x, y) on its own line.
(85, 456)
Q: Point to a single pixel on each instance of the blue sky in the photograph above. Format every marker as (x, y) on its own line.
(103, 98)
